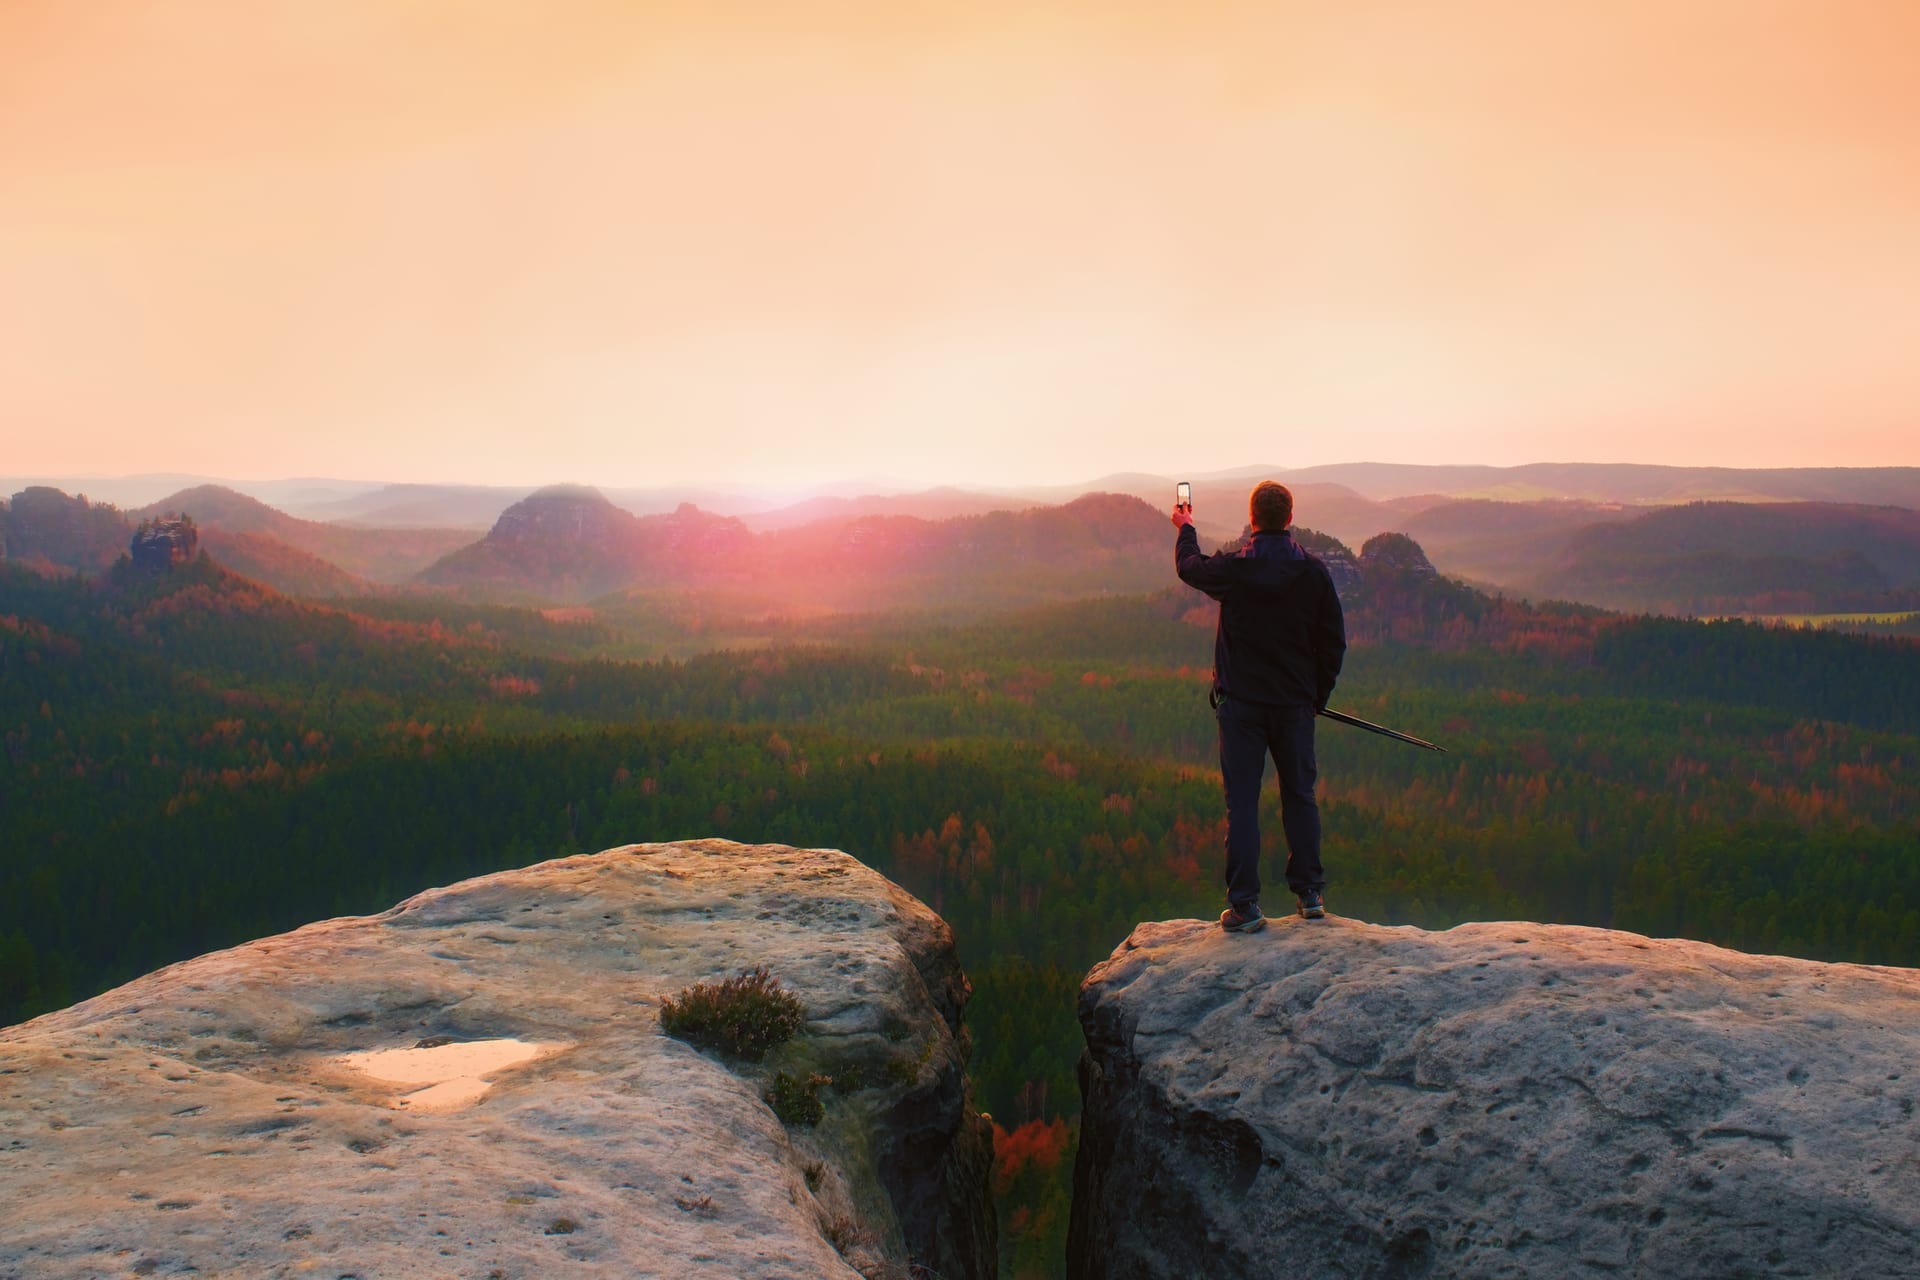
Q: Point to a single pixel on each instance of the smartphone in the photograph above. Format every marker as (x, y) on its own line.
(1183, 494)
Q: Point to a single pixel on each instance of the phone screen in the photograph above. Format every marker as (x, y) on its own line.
(1185, 494)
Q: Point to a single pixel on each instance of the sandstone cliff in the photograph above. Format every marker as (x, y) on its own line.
(211, 1118)
(1340, 1099)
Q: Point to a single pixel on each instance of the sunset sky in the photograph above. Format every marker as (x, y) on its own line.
(798, 242)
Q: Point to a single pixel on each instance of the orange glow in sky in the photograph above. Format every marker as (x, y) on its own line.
(630, 243)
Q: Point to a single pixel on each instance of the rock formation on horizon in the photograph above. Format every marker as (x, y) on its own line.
(1342, 565)
(535, 1120)
(1337, 1099)
(164, 543)
(568, 542)
(1395, 556)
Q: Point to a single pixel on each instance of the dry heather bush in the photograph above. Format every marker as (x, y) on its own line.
(745, 1015)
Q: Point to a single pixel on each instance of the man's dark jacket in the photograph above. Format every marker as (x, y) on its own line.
(1282, 636)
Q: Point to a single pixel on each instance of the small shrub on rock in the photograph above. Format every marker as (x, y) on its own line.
(906, 1068)
(844, 1233)
(796, 1099)
(745, 1015)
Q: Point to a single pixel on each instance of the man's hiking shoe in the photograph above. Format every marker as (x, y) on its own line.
(1312, 905)
(1233, 920)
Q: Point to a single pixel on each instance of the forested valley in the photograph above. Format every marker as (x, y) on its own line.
(192, 760)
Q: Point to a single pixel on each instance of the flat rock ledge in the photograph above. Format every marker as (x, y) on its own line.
(1333, 1098)
(205, 1120)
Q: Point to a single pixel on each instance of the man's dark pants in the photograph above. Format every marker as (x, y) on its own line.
(1249, 732)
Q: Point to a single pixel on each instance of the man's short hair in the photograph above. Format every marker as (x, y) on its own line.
(1270, 507)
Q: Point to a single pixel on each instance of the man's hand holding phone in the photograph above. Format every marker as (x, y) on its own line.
(1182, 505)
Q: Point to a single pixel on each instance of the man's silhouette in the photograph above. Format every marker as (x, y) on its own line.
(1276, 655)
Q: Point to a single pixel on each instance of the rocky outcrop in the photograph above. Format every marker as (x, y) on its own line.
(164, 543)
(475, 1083)
(1340, 1099)
(1342, 567)
(1395, 556)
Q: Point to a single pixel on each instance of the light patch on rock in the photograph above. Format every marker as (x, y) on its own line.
(449, 1076)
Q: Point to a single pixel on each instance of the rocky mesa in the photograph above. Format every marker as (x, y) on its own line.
(1334, 1098)
(475, 1083)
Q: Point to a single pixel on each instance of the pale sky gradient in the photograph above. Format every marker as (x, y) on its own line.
(633, 243)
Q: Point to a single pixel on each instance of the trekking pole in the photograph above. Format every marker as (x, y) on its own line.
(1383, 731)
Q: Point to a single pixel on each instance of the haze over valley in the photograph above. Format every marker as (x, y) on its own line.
(1684, 541)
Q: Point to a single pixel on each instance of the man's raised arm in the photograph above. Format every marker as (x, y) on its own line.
(1203, 572)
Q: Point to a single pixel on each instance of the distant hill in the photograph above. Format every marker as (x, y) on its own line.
(1344, 513)
(1220, 501)
(570, 544)
(410, 506)
(245, 529)
(1406, 488)
(1507, 544)
(1622, 482)
(1401, 487)
(286, 569)
(1725, 557)
(121, 491)
(213, 505)
(928, 504)
(1220, 504)
(47, 530)
(476, 507)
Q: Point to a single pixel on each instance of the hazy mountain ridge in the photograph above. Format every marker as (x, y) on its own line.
(285, 568)
(52, 532)
(1703, 557)
(470, 507)
(952, 547)
(1889, 536)
(384, 555)
(1507, 543)
(1402, 488)
(1726, 557)
(571, 544)
(944, 503)
(1630, 482)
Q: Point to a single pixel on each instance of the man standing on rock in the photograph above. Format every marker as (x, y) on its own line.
(1276, 655)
